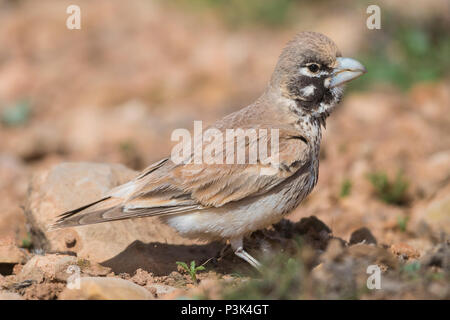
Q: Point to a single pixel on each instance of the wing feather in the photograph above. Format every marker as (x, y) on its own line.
(215, 185)
(166, 188)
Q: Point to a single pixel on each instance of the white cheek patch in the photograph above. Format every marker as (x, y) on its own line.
(308, 90)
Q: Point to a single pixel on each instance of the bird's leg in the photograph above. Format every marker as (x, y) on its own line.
(238, 248)
(222, 251)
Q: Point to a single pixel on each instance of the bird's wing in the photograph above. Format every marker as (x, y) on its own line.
(166, 188)
(214, 185)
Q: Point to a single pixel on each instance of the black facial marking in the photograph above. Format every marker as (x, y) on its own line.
(298, 85)
(311, 102)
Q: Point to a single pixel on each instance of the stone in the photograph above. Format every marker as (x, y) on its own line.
(435, 214)
(362, 235)
(42, 291)
(98, 288)
(6, 295)
(141, 277)
(92, 268)
(374, 255)
(49, 267)
(160, 289)
(334, 251)
(55, 267)
(7, 282)
(315, 232)
(10, 255)
(13, 188)
(71, 185)
(439, 256)
(405, 251)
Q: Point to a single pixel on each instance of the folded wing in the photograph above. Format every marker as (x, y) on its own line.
(167, 188)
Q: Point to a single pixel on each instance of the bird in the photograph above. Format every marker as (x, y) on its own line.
(229, 201)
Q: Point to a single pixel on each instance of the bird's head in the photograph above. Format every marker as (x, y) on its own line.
(312, 72)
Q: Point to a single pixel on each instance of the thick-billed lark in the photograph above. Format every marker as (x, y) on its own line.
(229, 201)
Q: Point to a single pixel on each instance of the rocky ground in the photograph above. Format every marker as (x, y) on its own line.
(302, 260)
(80, 114)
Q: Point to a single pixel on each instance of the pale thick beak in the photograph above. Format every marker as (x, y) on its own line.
(346, 70)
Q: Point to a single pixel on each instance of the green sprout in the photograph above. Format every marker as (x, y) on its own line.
(17, 114)
(27, 243)
(281, 278)
(412, 269)
(346, 188)
(192, 270)
(402, 222)
(391, 192)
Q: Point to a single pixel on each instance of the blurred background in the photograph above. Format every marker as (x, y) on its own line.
(114, 91)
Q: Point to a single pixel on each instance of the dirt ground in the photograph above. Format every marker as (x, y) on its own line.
(113, 92)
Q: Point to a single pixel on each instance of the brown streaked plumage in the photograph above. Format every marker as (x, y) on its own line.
(229, 201)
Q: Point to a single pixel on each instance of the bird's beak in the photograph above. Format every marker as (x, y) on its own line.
(346, 70)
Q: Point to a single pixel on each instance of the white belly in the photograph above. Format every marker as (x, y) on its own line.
(230, 221)
(243, 217)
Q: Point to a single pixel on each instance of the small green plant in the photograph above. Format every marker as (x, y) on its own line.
(281, 278)
(192, 270)
(346, 188)
(16, 114)
(422, 51)
(412, 269)
(392, 192)
(435, 276)
(402, 222)
(26, 242)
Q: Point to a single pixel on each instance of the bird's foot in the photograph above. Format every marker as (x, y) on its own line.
(237, 246)
(241, 253)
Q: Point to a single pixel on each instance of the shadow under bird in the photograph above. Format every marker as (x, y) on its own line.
(230, 201)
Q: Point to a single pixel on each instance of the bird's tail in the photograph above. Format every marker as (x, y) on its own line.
(109, 208)
(119, 205)
(96, 212)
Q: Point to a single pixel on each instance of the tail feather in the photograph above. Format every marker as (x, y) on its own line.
(93, 211)
(113, 209)
(73, 212)
(120, 204)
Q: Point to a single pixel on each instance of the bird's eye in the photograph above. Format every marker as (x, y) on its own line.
(313, 67)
